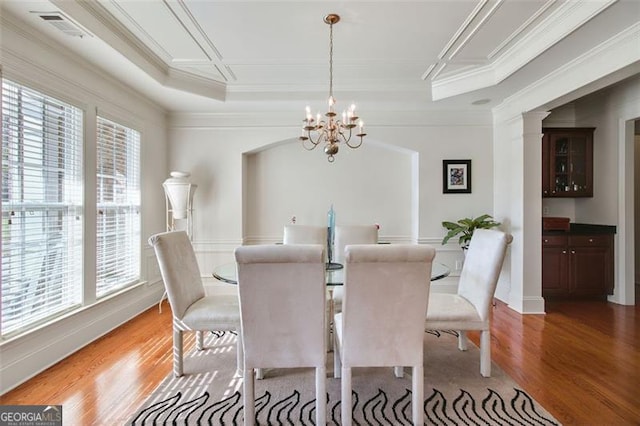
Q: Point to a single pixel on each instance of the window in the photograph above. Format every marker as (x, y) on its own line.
(42, 207)
(118, 207)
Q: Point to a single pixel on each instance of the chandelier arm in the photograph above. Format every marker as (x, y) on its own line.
(345, 139)
(357, 145)
(308, 138)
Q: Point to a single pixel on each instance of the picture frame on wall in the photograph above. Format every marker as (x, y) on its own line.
(456, 176)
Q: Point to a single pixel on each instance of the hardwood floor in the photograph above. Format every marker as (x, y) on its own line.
(581, 361)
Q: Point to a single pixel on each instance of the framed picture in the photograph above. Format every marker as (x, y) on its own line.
(456, 176)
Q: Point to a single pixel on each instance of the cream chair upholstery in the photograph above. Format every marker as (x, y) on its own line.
(192, 310)
(282, 307)
(349, 235)
(308, 234)
(469, 309)
(386, 292)
(305, 234)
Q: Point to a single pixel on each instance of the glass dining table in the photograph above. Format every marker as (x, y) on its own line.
(334, 273)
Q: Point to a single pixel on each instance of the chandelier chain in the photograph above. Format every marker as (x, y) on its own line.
(331, 60)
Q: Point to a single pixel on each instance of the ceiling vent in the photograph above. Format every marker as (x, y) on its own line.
(63, 23)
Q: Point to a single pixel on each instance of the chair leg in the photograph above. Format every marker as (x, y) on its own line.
(249, 397)
(346, 411)
(462, 340)
(398, 371)
(337, 363)
(240, 357)
(199, 340)
(417, 392)
(321, 396)
(177, 352)
(485, 353)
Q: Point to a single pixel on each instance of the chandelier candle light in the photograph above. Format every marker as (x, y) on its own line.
(331, 131)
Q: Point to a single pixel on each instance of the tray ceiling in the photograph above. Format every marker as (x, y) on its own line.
(213, 54)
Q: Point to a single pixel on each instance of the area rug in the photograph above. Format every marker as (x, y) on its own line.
(210, 392)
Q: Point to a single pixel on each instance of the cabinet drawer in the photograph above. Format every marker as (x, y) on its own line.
(590, 240)
(554, 240)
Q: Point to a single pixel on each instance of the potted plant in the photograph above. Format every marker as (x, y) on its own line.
(465, 228)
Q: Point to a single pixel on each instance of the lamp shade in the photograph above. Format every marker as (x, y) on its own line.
(179, 191)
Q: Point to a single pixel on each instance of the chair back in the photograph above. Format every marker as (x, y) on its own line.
(305, 234)
(386, 293)
(179, 270)
(481, 269)
(353, 234)
(282, 305)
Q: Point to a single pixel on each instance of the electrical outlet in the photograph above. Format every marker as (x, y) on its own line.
(545, 211)
(458, 265)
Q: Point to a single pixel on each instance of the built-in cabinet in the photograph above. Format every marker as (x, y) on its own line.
(577, 265)
(567, 162)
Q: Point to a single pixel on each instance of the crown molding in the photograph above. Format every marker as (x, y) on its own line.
(559, 24)
(603, 65)
(193, 83)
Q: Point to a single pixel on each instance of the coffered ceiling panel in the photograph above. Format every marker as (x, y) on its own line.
(160, 30)
(504, 23)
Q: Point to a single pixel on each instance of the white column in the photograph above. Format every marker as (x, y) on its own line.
(518, 205)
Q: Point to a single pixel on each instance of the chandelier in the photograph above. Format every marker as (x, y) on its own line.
(331, 131)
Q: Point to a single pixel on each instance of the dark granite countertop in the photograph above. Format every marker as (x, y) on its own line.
(584, 229)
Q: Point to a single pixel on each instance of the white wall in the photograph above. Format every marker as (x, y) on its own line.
(637, 203)
(372, 184)
(29, 59)
(397, 158)
(612, 112)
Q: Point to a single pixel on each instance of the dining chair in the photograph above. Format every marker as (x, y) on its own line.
(282, 310)
(309, 234)
(305, 234)
(191, 308)
(469, 308)
(386, 292)
(348, 235)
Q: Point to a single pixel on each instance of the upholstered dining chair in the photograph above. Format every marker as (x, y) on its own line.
(305, 234)
(282, 310)
(191, 308)
(469, 309)
(386, 291)
(348, 235)
(309, 234)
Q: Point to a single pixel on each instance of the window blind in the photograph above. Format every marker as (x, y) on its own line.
(118, 207)
(42, 207)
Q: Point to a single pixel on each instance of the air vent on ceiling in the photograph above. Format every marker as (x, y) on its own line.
(63, 23)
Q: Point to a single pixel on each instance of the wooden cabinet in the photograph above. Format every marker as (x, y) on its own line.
(577, 265)
(567, 162)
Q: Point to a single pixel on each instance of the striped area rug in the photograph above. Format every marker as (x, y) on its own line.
(210, 392)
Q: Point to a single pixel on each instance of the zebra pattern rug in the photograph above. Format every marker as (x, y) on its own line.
(455, 393)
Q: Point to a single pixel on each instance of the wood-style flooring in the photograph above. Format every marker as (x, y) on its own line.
(581, 361)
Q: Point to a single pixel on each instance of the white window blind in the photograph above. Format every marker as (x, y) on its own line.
(118, 207)
(41, 208)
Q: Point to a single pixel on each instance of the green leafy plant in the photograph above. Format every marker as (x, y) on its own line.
(465, 228)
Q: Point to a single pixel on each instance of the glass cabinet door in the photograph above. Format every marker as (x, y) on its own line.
(570, 168)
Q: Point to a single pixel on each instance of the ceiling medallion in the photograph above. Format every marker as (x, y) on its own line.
(331, 131)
